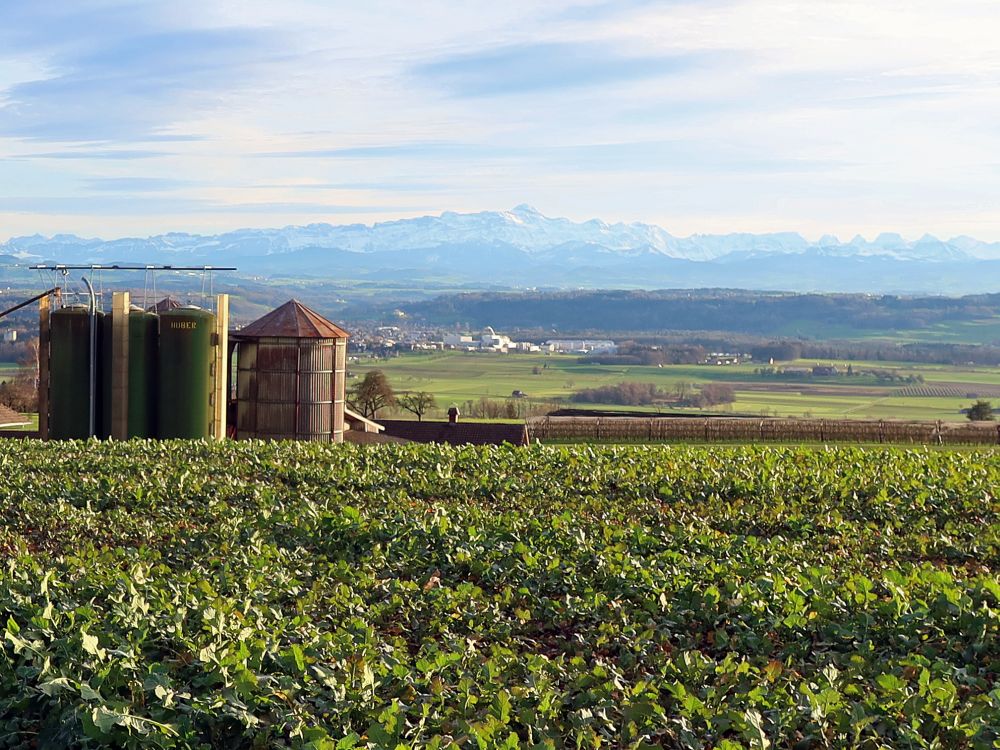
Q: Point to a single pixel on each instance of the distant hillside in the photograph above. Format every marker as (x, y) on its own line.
(705, 310)
(523, 248)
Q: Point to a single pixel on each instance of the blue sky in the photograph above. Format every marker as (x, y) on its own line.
(827, 116)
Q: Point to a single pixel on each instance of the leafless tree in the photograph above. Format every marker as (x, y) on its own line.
(418, 403)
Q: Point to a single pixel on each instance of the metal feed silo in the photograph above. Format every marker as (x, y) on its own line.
(290, 379)
(69, 372)
(143, 356)
(102, 424)
(184, 373)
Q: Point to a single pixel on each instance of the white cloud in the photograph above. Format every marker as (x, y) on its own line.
(713, 115)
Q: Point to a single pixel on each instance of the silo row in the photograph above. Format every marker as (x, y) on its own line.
(169, 373)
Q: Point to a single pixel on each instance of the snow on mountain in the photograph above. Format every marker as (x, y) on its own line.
(522, 228)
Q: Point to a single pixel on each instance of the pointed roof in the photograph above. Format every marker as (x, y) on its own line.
(165, 304)
(292, 320)
(10, 418)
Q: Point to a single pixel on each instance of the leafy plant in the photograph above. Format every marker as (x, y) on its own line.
(249, 595)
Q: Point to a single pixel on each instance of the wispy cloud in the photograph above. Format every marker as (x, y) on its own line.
(303, 208)
(601, 10)
(433, 149)
(136, 184)
(838, 116)
(416, 186)
(137, 205)
(113, 73)
(95, 154)
(548, 66)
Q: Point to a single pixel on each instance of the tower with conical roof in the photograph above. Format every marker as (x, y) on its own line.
(291, 376)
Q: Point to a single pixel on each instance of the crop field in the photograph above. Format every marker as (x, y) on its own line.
(457, 377)
(249, 595)
(976, 331)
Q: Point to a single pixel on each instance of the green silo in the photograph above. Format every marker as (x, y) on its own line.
(185, 373)
(143, 334)
(69, 372)
(105, 349)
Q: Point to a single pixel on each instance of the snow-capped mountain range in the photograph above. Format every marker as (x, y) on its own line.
(531, 248)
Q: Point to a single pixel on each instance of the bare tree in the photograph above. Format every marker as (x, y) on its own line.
(418, 403)
(682, 389)
(29, 363)
(371, 394)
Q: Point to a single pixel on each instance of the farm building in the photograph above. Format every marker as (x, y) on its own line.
(354, 422)
(290, 376)
(456, 433)
(10, 418)
(723, 358)
(581, 346)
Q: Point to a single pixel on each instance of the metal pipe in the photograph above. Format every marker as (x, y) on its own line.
(15, 308)
(93, 357)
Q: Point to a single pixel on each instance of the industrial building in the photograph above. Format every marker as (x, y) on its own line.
(488, 341)
(132, 372)
(174, 371)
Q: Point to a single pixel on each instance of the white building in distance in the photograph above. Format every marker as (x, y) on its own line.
(488, 341)
(581, 346)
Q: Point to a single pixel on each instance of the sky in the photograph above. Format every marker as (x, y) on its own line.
(703, 116)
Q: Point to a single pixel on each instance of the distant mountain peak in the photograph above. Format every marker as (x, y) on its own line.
(889, 239)
(522, 236)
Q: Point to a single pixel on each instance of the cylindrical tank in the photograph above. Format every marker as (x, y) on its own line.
(185, 373)
(143, 355)
(105, 337)
(69, 372)
(290, 376)
(286, 389)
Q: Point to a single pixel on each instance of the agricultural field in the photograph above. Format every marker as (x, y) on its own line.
(251, 595)
(457, 377)
(973, 331)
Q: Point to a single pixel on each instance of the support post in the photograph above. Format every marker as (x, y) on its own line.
(119, 365)
(220, 368)
(44, 335)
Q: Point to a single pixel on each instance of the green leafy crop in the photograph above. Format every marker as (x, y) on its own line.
(252, 595)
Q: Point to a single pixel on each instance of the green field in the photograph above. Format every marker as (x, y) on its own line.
(980, 331)
(455, 377)
(250, 595)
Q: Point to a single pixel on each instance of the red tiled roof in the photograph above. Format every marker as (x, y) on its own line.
(459, 433)
(370, 438)
(292, 320)
(9, 417)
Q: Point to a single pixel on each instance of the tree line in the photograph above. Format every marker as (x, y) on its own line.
(631, 393)
(701, 310)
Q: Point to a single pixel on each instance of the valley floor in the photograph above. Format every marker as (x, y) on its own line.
(549, 380)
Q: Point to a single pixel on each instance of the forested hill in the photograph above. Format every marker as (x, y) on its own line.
(704, 310)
